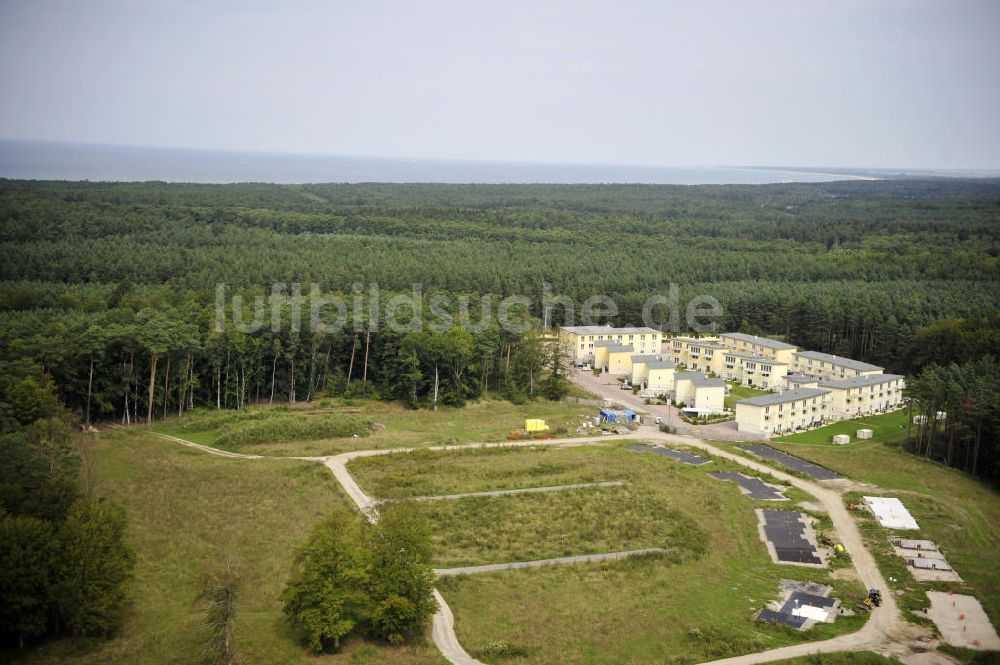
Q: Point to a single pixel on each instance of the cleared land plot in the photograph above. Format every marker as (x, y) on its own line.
(188, 509)
(755, 488)
(790, 461)
(524, 527)
(486, 420)
(683, 456)
(962, 621)
(436, 473)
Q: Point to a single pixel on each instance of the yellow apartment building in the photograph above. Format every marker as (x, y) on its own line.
(640, 370)
(782, 412)
(696, 353)
(660, 376)
(750, 369)
(697, 391)
(620, 359)
(580, 341)
(830, 367)
(771, 349)
(864, 395)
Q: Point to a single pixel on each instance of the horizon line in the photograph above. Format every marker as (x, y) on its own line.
(819, 169)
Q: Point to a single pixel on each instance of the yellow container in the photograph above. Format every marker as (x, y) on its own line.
(535, 425)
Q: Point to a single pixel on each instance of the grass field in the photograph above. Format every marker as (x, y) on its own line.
(524, 527)
(186, 509)
(882, 426)
(738, 392)
(487, 420)
(431, 472)
(635, 611)
(954, 510)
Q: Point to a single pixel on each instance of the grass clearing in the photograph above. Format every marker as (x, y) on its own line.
(526, 527)
(485, 420)
(431, 472)
(187, 508)
(640, 610)
(882, 426)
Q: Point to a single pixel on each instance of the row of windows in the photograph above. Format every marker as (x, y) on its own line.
(620, 337)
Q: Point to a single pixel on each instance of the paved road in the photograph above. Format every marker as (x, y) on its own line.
(538, 563)
(607, 387)
(884, 631)
(523, 490)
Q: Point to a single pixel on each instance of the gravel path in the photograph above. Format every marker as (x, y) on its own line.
(538, 563)
(523, 490)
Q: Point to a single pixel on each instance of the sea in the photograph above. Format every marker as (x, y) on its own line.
(39, 160)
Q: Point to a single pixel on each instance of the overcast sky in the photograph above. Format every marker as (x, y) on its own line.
(865, 83)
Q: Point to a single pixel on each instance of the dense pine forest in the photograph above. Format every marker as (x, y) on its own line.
(107, 290)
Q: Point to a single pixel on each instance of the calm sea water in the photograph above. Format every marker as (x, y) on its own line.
(67, 161)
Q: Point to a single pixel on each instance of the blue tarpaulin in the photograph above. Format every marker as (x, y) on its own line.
(618, 415)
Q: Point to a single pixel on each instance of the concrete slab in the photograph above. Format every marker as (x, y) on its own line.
(890, 512)
(962, 621)
(926, 562)
(913, 544)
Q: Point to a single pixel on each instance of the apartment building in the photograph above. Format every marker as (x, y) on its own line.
(830, 367)
(794, 380)
(771, 349)
(751, 369)
(620, 359)
(783, 411)
(579, 341)
(697, 354)
(640, 366)
(864, 395)
(700, 393)
(602, 351)
(660, 376)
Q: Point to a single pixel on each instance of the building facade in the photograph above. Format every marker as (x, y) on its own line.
(579, 341)
(864, 395)
(830, 367)
(771, 349)
(783, 412)
(696, 391)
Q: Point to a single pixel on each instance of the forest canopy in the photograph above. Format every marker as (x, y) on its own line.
(107, 290)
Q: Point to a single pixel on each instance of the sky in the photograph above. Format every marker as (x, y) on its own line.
(838, 83)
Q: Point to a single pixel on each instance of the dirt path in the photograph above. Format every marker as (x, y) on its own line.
(522, 490)
(885, 631)
(538, 563)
